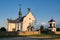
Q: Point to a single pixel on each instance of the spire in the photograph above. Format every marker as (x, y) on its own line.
(20, 7)
(20, 12)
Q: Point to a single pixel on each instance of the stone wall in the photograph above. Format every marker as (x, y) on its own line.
(29, 32)
(57, 32)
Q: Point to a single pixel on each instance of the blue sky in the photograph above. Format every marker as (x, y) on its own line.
(43, 10)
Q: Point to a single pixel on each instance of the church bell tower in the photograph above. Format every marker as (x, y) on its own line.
(20, 12)
(52, 25)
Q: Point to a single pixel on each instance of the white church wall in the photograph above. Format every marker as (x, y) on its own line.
(52, 23)
(27, 21)
(16, 26)
(11, 26)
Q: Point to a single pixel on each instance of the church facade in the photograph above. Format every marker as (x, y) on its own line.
(24, 23)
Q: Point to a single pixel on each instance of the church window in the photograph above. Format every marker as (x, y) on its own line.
(13, 29)
(29, 23)
(50, 25)
(54, 24)
(29, 18)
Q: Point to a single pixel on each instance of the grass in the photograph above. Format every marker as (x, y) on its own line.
(42, 35)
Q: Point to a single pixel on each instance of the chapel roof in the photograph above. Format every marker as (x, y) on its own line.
(16, 20)
(52, 20)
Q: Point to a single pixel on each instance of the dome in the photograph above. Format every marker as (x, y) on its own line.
(52, 20)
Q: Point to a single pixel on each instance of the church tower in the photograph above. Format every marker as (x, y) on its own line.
(19, 19)
(52, 25)
(20, 12)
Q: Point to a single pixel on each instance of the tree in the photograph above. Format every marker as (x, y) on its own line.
(58, 29)
(3, 29)
(41, 28)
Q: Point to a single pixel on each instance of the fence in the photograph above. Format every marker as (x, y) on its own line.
(29, 32)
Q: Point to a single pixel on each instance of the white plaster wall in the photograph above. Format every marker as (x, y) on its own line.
(54, 29)
(27, 21)
(16, 25)
(52, 23)
(11, 26)
(20, 26)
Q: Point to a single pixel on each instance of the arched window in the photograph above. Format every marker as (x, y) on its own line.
(29, 18)
(50, 25)
(54, 25)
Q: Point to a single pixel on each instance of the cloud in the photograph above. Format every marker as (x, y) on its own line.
(43, 23)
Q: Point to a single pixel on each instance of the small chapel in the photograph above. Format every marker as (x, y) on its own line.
(52, 25)
(22, 23)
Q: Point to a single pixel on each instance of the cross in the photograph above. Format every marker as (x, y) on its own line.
(28, 9)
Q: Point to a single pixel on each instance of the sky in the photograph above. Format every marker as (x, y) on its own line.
(42, 10)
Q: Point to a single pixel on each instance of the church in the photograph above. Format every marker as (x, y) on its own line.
(22, 23)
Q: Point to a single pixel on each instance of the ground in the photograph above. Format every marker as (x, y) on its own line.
(27, 38)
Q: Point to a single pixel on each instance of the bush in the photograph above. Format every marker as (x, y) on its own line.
(2, 29)
(58, 29)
